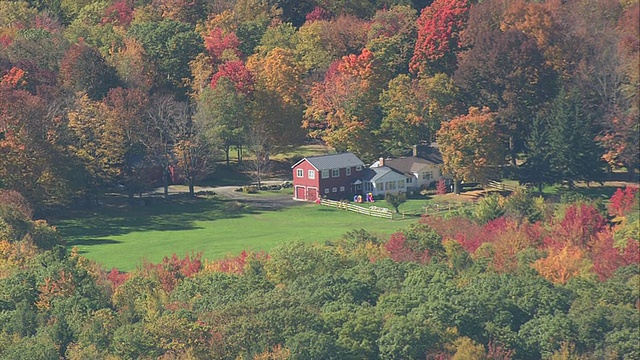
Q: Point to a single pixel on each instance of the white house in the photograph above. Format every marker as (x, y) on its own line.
(420, 170)
(383, 179)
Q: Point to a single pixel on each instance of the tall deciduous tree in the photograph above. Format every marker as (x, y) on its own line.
(83, 69)
(194, 155)
(344, 107)
(127, 111)
(391, 38)
(413, 110)
(439, 29)
(171, 45)
(506, 72)
(470, 146)
(223, 112)
(165, 117)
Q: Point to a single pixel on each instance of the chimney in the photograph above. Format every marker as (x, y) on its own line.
(420, 150)
(381, 162)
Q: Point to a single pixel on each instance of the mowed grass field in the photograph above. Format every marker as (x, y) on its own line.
(123, 235)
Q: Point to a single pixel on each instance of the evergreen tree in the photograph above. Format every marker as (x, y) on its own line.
(575, 153)
(537, 169)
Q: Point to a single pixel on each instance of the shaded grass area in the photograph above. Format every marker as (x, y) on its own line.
(122, 236)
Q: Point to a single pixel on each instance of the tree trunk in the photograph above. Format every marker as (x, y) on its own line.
(456, 187)
(165, 182)
(226, 151)
(192, 192)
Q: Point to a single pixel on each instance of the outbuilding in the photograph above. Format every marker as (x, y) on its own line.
(336, 177)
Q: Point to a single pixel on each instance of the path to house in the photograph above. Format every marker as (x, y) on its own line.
(275, 201)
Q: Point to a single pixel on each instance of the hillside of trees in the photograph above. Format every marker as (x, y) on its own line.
(129, 94)
(515, 279)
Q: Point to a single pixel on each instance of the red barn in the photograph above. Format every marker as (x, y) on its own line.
(335, 177)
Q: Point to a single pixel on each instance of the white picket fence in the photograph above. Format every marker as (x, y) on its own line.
(371, 211)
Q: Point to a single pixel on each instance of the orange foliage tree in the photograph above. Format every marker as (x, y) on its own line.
(470, 146)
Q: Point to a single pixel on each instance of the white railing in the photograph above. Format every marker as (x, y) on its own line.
(371, 211)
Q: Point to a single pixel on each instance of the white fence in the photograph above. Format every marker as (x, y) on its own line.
(371, 211)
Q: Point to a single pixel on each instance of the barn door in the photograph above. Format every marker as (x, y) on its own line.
(312, 194)
(300, 193)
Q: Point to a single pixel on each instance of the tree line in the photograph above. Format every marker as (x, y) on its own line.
(98, 95)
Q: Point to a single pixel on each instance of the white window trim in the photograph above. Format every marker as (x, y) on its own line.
(333, 171)
(358, 168)
(300, 173)
(311, 174)
(348, 171)
(326, 191)
(335, 189)
(324, 174)
(341, 188)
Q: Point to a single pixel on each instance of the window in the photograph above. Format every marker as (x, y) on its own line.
(400, 184)
(380, 186)
(341, 188)
(326, 191)
(427, 175)
(335, 172)
(312, 174)
(300, 173)
(335, 189)
(358, 168)
(325, 174)
(368, 187)
(348, 171)
(409, 180)
(390, 185)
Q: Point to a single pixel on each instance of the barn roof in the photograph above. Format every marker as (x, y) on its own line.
(336, 161)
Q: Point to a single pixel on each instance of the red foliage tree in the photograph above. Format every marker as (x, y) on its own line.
(606, 258)
(623, 201)
(439, 29)
(237, 73)
(173, 269)
(399, 249)
(580, 223)
(116, 277)
(318, 14)
(217, 42)
(119, 13)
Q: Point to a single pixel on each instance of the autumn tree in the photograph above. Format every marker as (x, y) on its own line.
(165, 118)
(470, 147)
(413, 110)
(391, 37)
(98, 143)
(278, 82)
(127, 112)
(344, 107)
(439, 29)
(33, 163)
(83, 69)
(223, 112)
(194, 155)
(260, 145)
(171, 45)
(506, 72)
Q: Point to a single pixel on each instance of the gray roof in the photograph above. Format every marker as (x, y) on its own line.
(375, 173)
(336, 161)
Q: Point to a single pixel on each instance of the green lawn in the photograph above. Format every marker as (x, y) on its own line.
(122, 236)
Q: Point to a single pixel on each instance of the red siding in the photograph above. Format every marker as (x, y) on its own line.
(321, 184)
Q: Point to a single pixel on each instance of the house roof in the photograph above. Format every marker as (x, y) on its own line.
(336, 161)
(376, 173)
(412, 164)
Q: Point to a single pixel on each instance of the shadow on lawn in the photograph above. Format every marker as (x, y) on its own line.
(119, 217)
